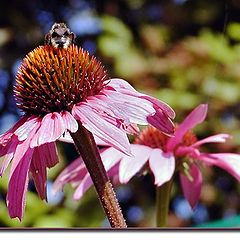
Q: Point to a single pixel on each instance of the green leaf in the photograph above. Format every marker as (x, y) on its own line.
(218, 46)
(115, 27)
(233, 31)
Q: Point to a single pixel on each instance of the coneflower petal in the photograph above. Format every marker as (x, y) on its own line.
(192, 188)
(69, 121)
(21, 149)
(162, 122)
(51, 128)
(122, 86)
(158, 104)
(230, 162)
(111, 157)
(71, 173)
(85, 184)
(49, 150)
(8, 153)
(129, 107)
(129, 166)
(25, 129)
(160, 117)
(197, 116)
(218, 138)
(17, 186)
(162, 165)
(39, 172)
(6, 137)
(107, 132)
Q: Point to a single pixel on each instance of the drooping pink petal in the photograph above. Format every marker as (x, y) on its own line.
(230, 162)
(4, 149)
(158, 104)
(195, 117)
(129, 107)
(124, 124)
(52, 127)
(162, 122)
(129, 166)
(123, 86)
(49, 154)
(44, 156)
(69, 121)
(8, 153)
(6, 137)
(108, 112)
(74, 172)
(192, 188)
(218, 138)
(190, 151)
(162, 165)
(25, 129)
(163, 114)
(85, 184)
(17, 186)
(100, 142)
(98, 103)
(98, 126)
(21, 150)
(113, 174)
(39, 172)
(110, 157)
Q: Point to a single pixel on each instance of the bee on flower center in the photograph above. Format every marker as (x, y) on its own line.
(60, 36)
(54, 77)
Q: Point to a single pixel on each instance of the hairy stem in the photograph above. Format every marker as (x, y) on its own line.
(86, 146)
(162, 203)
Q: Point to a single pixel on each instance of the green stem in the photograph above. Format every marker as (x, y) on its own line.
(86, 146)
(162, 203)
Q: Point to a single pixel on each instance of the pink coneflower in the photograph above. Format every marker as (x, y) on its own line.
(61, 90)
(162, 156)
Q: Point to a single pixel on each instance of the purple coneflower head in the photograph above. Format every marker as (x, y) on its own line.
(161, 155)
(58, 89)
(54, 79)
(57, 80)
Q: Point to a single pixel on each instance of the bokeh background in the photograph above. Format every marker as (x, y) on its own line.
(184, 52)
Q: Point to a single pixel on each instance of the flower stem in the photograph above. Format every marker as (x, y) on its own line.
(86, 146)
(162, 203)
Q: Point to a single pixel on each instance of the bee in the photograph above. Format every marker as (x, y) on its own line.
(60, 36)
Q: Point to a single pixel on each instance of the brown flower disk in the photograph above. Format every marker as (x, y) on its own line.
(154, 138)
(54, 79)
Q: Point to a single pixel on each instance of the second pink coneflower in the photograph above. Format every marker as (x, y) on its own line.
(162, 156)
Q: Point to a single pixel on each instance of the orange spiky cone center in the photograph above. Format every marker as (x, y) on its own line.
(154, 138)
(54, 79)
